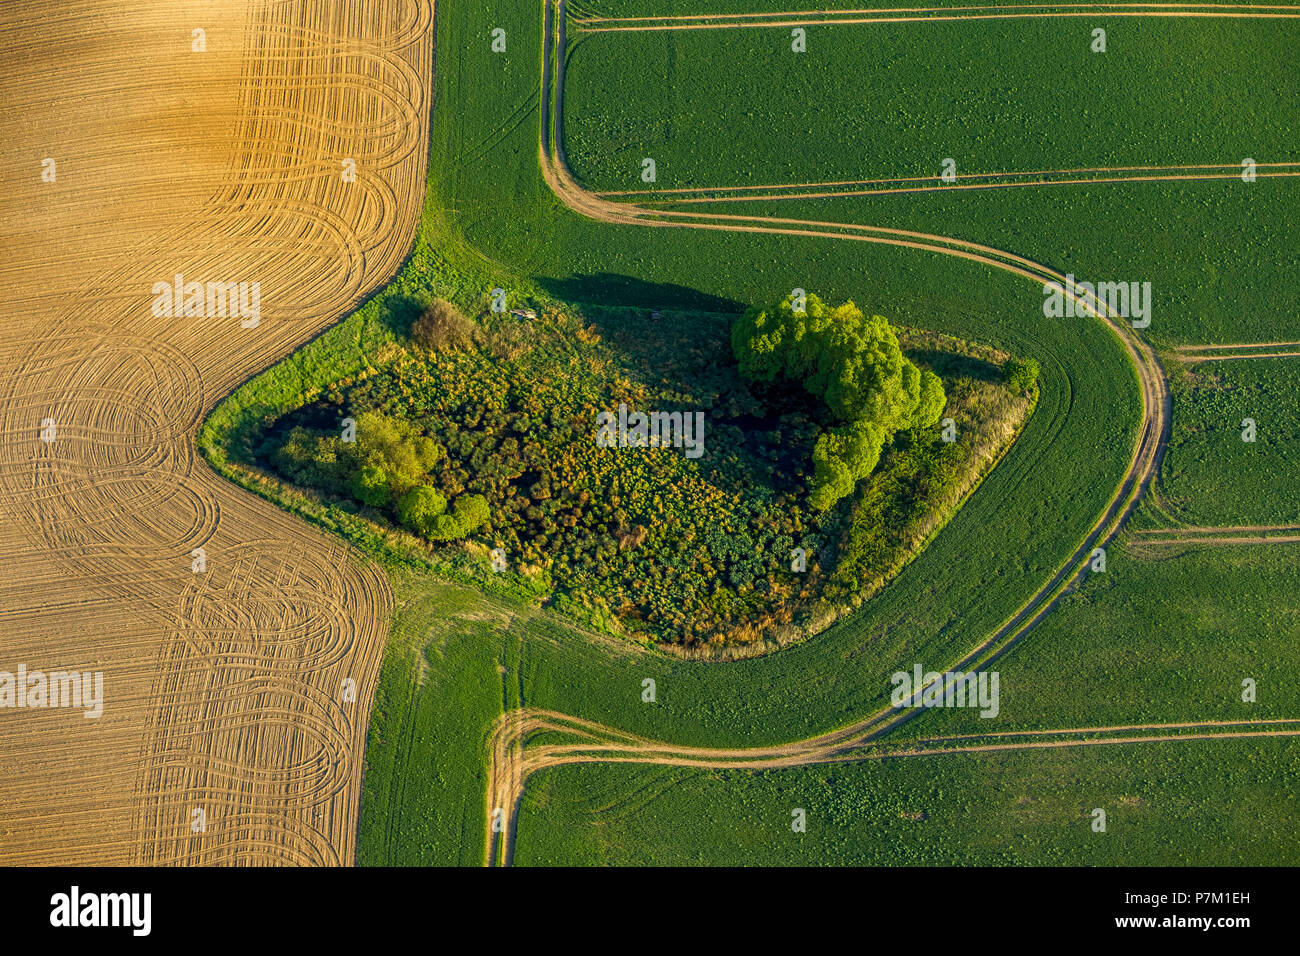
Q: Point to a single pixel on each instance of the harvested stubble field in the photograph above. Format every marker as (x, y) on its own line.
(222, 689)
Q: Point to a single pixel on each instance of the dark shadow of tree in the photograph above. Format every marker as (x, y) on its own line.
(612, 289)
(951, 364)
(400, 311)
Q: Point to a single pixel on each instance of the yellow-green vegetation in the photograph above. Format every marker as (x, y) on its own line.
(384, 463)
(919, 485)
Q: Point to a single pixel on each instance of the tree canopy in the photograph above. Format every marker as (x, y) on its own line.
(852, 363)
(387, 466)
(1021, 375)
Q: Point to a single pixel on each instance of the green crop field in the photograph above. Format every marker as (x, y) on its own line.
(915, 94)
(1156, 638)
(1255, 481)
(1187, 803)
(1165, 635)
(908, 95)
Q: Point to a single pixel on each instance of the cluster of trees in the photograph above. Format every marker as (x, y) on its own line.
(384, 463)
(855, 366)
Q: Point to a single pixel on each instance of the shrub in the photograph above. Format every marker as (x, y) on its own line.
(1021, 375)
(420, 508)
(443, 328)
(468, 514)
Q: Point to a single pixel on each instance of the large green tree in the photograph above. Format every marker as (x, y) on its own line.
(852, 363)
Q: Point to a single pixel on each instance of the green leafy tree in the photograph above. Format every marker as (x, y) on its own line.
(841, 458)
(1021, 375)
(468, 514)
(424, 511)
(419, 509)
(852, 363)
(397, 447)
(372, 486)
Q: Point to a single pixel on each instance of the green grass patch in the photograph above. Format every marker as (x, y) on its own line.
(1210, 475)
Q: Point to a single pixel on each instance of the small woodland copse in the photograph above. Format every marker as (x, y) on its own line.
(817, 473)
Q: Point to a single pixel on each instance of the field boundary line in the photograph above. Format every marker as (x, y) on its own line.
(926, 179)
(588, 18)
(933, 15)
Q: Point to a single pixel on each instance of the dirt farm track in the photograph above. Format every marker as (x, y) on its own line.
(225, 736)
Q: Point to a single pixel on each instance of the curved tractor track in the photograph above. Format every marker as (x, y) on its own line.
(236, 698)
(513, 754)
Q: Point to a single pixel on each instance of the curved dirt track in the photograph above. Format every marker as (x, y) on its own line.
(223, 690)
(512, 759)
